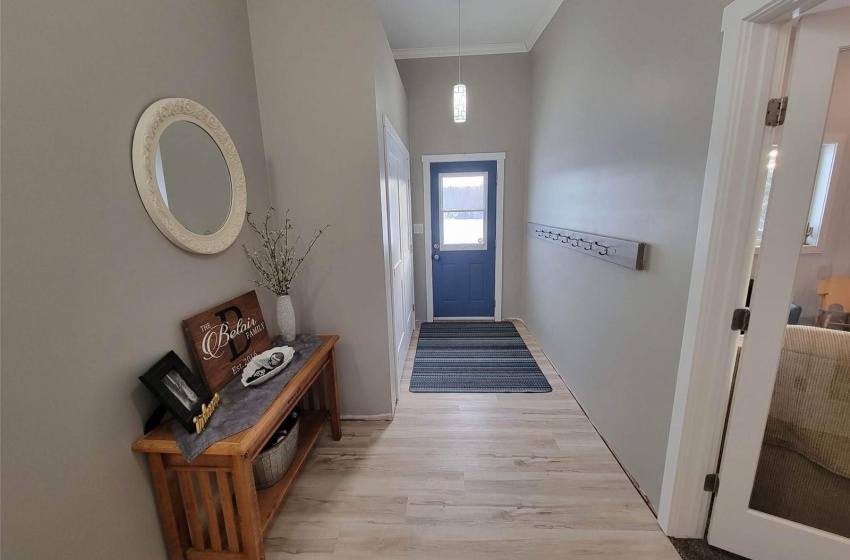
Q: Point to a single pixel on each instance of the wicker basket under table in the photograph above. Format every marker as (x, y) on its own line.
(272, 464)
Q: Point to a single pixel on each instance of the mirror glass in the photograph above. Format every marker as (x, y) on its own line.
(193, 178)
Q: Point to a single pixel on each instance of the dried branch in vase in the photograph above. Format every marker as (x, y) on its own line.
(277, 261)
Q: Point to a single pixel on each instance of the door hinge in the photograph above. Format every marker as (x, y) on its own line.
(741, 319)
(712, 483)
(776, 109)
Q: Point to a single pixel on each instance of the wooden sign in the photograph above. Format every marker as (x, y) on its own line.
(225, 338)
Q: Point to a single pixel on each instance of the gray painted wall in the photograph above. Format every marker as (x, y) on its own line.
(621, 114)
(316, 78)
(499, 91)
(390, 102)
(93, 294)
(390, 96)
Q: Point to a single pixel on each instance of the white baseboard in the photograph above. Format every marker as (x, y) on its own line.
(384, 417)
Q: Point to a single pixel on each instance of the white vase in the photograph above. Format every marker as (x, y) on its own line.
(286, 318)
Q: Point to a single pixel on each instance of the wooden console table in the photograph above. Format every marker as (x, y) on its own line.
(210, 508)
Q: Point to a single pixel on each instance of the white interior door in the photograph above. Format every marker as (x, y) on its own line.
(401, 245)
(784, 489)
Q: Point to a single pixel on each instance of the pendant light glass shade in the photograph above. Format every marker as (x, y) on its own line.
(460, 103)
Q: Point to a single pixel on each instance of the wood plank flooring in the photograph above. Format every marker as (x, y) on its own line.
(468, 476)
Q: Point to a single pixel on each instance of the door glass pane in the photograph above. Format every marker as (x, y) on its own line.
(803, 474)
(465, 191)
(463, 228)
(822, 195)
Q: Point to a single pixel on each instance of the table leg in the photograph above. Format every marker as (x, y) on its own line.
(332, 396)
(165, 503)
(249, 511)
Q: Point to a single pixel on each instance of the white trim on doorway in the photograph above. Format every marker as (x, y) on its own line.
(752, 40)
(499, 158)
(389, 129)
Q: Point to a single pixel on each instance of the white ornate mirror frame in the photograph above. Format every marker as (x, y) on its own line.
(152, 123)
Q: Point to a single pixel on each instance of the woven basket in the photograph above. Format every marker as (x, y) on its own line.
(272, 464)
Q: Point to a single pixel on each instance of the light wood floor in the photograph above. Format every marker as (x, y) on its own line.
(468, 476)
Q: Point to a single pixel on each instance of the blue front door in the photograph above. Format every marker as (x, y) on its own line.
(463, 238)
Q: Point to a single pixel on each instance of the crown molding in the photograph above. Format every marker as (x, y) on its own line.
(466, 50)
(546, 14)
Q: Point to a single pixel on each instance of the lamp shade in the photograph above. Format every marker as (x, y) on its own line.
(460, 103)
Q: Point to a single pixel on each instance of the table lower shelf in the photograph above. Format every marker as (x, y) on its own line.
(269, 499)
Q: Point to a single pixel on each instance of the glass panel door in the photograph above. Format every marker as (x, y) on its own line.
(785, 474)
(803, 472)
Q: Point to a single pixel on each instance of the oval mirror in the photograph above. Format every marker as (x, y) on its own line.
(193, 178)
(189, 175)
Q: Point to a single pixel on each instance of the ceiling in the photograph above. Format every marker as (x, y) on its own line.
(427, 28)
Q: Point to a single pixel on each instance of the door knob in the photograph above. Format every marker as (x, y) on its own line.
(435, 257)
(436, 245)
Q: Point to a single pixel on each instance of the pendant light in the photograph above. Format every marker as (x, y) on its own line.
(459, 89)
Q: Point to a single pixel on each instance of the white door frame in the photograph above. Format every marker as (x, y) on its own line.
(499, 158)
(395, 375)
(722, 257)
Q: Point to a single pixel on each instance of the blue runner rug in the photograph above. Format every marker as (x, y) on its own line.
(474, 357)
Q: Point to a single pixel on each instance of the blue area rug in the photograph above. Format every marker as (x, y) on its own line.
(474, 357)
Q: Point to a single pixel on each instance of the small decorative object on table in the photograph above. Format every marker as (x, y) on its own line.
(274, 460)
(267, 365)
(278, 265)
(183, 393)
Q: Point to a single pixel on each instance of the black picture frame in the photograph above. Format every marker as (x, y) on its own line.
(180, 390)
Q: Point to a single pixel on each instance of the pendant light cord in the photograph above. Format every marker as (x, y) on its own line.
(458, 41)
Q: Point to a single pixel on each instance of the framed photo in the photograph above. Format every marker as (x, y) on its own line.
(182, 392)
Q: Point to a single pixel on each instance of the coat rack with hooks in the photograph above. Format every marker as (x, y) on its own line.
(631, 254)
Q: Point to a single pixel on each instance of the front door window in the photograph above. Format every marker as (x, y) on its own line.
(463, 211)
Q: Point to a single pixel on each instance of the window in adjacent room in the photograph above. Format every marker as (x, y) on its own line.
(823, 194)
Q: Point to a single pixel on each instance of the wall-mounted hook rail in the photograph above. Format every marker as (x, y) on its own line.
(606, 250)
(630, 254)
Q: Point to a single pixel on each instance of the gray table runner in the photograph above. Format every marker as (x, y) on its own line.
(241, 407)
